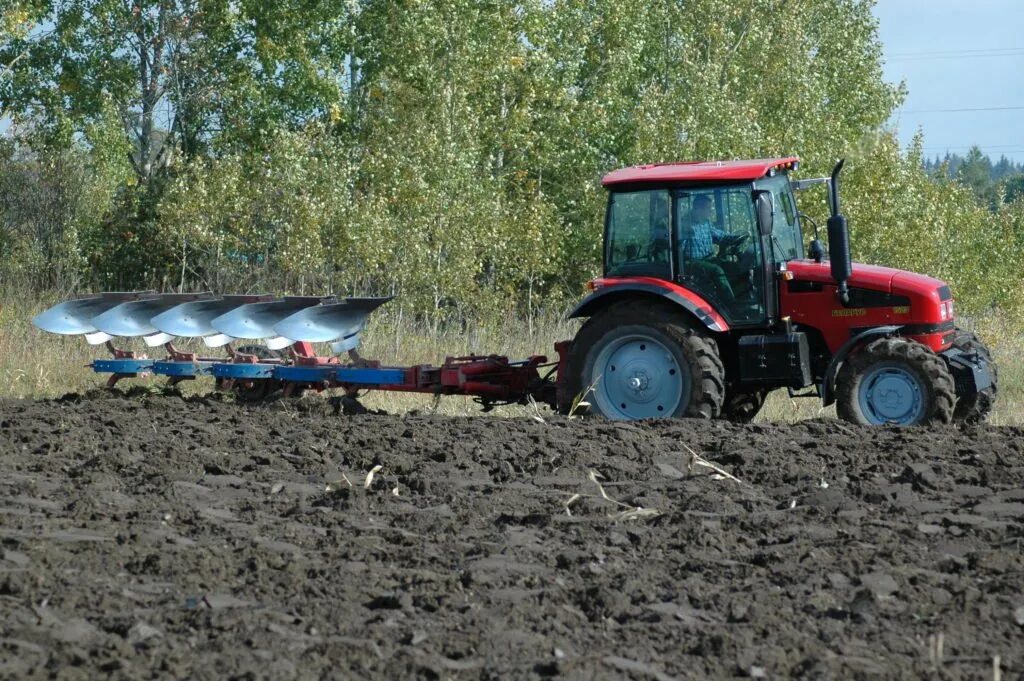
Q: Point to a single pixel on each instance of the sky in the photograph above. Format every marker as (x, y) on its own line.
(957, 54)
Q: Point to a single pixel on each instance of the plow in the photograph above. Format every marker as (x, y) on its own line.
(708, 300)
(268, 346)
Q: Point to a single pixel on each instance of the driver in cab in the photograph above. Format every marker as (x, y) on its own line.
(698, 237)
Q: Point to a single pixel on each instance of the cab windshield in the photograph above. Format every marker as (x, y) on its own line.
(786, 241)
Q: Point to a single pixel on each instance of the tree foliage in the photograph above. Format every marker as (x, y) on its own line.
(992, 183)
(449, 151)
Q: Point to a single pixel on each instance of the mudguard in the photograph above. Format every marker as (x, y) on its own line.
(610, 290)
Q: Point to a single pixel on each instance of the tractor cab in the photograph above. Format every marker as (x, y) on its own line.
(708, 301)
(705, 235)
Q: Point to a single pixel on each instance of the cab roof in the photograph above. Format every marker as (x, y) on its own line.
(699, 171)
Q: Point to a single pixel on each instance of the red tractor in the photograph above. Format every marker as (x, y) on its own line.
(709, 301)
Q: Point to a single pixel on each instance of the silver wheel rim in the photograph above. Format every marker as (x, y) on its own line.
(890, 393)
(638, 377)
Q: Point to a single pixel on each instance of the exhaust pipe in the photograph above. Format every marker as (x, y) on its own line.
(839, 238)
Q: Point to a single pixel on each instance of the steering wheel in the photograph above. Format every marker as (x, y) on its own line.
(730, 245)
(658, 246)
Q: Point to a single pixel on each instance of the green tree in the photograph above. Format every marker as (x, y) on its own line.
(176, 73)
(1013, 188)
(451, 152)
(976, 173)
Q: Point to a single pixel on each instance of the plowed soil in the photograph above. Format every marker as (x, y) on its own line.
(147, 536)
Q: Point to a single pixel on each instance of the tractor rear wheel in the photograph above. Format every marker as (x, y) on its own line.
(638, 361)
(256, 391)
(742, 406)
(895, 381)
(975, 407)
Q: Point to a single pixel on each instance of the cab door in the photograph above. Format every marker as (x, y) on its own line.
(719, 253)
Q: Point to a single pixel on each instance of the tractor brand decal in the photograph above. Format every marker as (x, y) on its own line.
(850, 312)
(901, 309)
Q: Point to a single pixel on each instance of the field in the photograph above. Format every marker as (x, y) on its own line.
(148, 535)
(145, 532)
(462, 155)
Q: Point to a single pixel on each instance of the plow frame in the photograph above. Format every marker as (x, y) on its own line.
(492, 380)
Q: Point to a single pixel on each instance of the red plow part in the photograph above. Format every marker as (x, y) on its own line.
(492, 379)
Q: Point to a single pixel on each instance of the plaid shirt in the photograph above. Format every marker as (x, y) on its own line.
(699, 240)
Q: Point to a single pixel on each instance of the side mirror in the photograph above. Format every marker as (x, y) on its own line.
(763, 201)
(816, 250)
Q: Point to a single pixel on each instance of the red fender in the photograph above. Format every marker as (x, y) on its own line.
(608, 290)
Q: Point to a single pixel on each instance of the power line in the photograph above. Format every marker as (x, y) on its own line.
(975, 144)
(978, 108)
(1013, 52)
(929, 53)
(893, 60)
(981, 147)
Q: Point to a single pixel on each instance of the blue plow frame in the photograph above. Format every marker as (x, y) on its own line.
(326, 373)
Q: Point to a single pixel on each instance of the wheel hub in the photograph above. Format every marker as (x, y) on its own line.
(639, 382)
(891, 394)
(638, 377)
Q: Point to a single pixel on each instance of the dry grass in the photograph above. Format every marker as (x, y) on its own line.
(34, 364)
(37, 364)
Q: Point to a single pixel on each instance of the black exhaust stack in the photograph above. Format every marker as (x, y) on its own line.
(839, 239)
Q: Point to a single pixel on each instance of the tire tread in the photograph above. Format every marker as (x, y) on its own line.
(707, 403)
(940, 384)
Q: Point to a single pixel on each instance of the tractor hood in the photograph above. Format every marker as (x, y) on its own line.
(918, 287)
(878, 296)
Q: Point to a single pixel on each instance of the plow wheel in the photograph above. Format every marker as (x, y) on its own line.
(742, 406)
(895, 381)
(256, 391)
(638, 361)
(975, 407)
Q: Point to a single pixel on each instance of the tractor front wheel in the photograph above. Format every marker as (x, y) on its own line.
(895, 381)
(643, 361)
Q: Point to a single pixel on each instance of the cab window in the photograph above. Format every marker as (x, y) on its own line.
(787, 243)
(637, 242)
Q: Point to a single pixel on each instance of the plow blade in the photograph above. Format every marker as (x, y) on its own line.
(193, 320)
(337, 323)
(75, 317)
(133, 318)
(159, 318)
(255, 321)
(294, 322)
